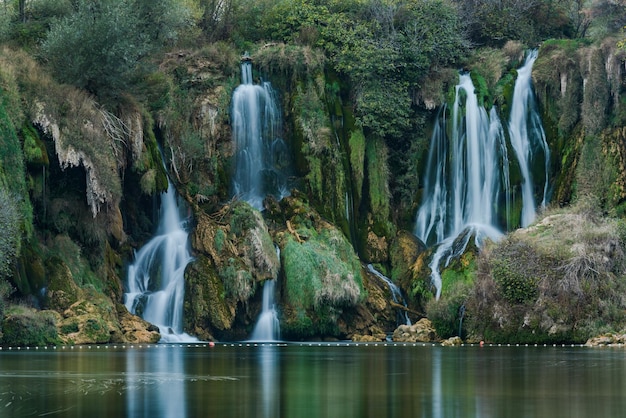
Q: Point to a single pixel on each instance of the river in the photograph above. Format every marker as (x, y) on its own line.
(312, 380)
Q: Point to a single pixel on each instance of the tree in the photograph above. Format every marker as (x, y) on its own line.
(101, 45)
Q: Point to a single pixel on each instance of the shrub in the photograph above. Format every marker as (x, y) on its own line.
(29, 328)
(447, 313)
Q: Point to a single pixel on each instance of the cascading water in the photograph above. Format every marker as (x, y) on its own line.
(261, 156)
(396, 293)
(527, 136)
(267, 327)
(156, 284)
(467, 181)
(462, 185)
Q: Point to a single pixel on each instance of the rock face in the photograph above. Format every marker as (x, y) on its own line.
(421, 331)
(87, 316)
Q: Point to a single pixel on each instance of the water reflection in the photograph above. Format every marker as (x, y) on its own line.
(270, 385)
(161, 369)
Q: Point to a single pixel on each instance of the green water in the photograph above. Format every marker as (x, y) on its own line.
(303, 380)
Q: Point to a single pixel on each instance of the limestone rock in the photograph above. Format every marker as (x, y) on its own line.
(369, 338)
(606, 339)
(421, 331)
(136, 330)
(452, 342)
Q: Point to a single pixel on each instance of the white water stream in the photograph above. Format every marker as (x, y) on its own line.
(396, 293)
(467, 186)
(261, 157)
(267, 327)
(156, 283)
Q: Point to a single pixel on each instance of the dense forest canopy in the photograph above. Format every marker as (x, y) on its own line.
(383, 66)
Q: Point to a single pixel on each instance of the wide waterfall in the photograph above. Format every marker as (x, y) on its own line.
(261, 156)
(156, 284)
(267, 327)
(467, 187)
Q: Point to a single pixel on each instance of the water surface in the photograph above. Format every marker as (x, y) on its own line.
(312, 380)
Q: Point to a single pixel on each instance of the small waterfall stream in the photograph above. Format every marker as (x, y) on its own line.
(467, 186)
(156, 283)
(396, 293)
(267, 327)
(261, 156)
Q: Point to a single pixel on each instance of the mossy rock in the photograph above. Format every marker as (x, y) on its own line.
(62, 291)
(403, 253)
(206, 310)
(93, 319)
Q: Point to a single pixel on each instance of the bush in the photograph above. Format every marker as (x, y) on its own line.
(447, 313)
(29, 328)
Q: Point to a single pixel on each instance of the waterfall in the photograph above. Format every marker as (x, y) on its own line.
(467, 186)
(267, 327)
(527, 135)
(396, 294)
(156, 283)
(261, 156)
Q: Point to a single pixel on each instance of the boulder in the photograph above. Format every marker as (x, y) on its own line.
(421, 331)
(452, 342)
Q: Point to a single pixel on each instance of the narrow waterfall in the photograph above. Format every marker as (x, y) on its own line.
(267, 327)
(528, 137)
(156, 283)
(396, 294)
(261, 156)
(467, 187)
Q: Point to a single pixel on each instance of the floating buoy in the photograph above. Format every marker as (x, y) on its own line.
(211, 344)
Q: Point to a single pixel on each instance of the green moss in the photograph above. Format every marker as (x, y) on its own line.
(321, 271)
(205, 307)
(12, 168)
(482, 90)
(35, 153)
(357, 161)
(378, 179)
(503, 93)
